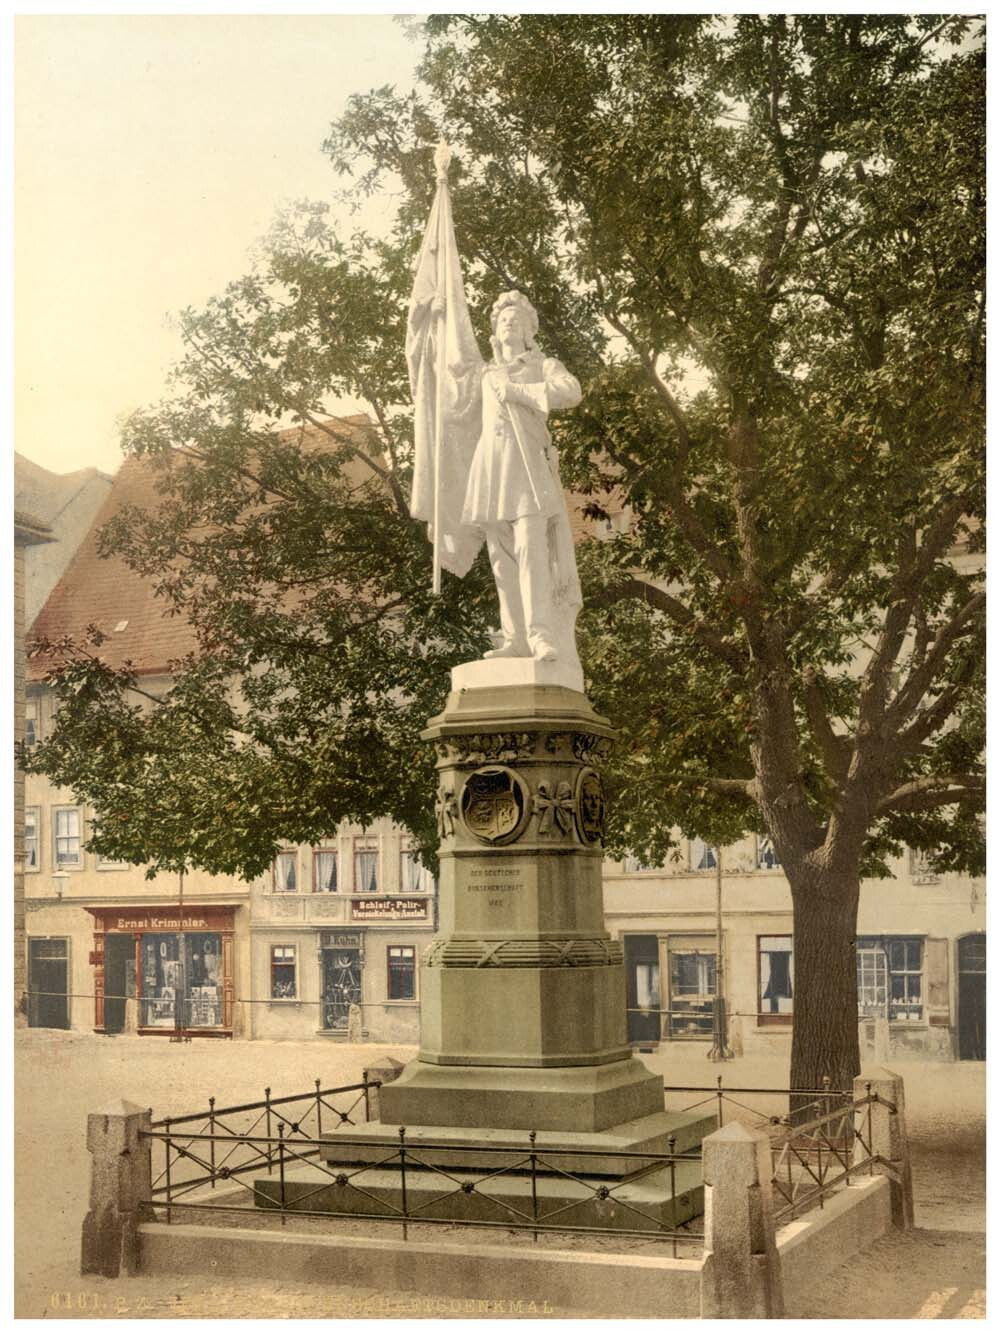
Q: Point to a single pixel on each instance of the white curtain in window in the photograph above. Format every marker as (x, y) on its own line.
(326, 872)
(285, 872)
(366, 871)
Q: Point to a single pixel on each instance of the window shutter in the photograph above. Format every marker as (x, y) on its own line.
(936, 976)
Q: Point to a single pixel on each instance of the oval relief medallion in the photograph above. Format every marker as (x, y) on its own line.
(495, 804)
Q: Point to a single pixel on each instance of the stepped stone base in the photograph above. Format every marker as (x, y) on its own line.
(455, 1147)
(577, 1099)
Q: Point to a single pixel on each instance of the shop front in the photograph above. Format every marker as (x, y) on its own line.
(158, 971)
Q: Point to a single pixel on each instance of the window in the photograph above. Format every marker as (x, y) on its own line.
(775, 978)
(767, 857)
(32, 720)
(692, 986)
(286, 867)
(325, 871)
(402, 972)
(66, 834)
(31, 821)
(702, 856)
(282, 971)
(890, 978)
(414, 877)
(366, 870)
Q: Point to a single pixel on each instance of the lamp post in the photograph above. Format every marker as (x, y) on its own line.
(720, 1037)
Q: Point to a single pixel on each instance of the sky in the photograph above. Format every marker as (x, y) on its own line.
(150, 154)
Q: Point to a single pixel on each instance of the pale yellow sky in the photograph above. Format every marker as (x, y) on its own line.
(151, 152)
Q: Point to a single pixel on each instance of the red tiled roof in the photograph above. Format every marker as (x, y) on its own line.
(106, 593)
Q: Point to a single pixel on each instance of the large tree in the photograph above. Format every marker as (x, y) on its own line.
(759, 242)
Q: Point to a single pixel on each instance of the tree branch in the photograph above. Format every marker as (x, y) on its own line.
(834, 749)
(637, 589)
(931, 792)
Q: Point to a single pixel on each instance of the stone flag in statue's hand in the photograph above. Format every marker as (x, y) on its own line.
(445, 368)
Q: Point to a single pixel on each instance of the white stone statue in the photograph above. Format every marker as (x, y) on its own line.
(485, 467)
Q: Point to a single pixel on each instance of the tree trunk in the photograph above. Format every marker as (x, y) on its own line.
(825, 1001)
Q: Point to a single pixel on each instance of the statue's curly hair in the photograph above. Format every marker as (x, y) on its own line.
(529, 319)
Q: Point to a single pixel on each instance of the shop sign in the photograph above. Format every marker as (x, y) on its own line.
(390, 909)
(160, 923)
(340, 939)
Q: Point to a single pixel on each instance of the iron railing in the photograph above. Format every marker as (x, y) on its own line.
(812, 1159)
(197, 1161)
(807, 1102)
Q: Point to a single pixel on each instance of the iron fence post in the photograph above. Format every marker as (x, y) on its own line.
(319, 1112)
(368, 1109)
(868, 1096)
(166, 1144)
(402, 1174)
(211, 1142)
(718, 1094)
(267, 1130)
(534, 1183)
(281, 1168)
(671, 1145)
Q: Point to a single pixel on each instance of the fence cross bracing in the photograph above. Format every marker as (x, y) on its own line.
(811, 1159)
(295, 1114)
(204, 1150)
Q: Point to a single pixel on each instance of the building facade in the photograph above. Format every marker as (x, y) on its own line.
(921, 954)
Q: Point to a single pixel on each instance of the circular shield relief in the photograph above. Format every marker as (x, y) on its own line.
(495, 804)
(590, 806)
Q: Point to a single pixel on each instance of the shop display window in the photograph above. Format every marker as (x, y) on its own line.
(282, 971)
(182, 983)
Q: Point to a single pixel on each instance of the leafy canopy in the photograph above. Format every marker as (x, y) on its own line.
(759, 242)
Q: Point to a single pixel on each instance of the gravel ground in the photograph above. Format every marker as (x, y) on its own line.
(936, 1271)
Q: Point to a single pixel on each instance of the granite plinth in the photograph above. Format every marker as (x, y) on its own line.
(577, 1098)
(506, 671)
(612, 1152)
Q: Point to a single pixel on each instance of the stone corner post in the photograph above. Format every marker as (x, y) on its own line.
(386, 1070)
(120, 1180)
(741, 1275)
(888, 1138)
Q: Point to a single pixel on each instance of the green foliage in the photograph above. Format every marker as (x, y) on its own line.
(760, 243)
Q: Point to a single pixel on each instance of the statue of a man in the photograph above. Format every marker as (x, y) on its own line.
(485, 467)
(513, 495)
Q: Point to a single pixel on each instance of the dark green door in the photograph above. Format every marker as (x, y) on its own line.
(48, 991)
(119, 975)
(642, 981)
(972, 997)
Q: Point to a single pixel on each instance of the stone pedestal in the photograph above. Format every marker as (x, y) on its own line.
(525, 1087)
(522, 994)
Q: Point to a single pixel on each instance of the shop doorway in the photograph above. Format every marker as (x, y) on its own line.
(48, 989)
(972, 997)
(119, 979)
(341, 986)
(642, 973)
